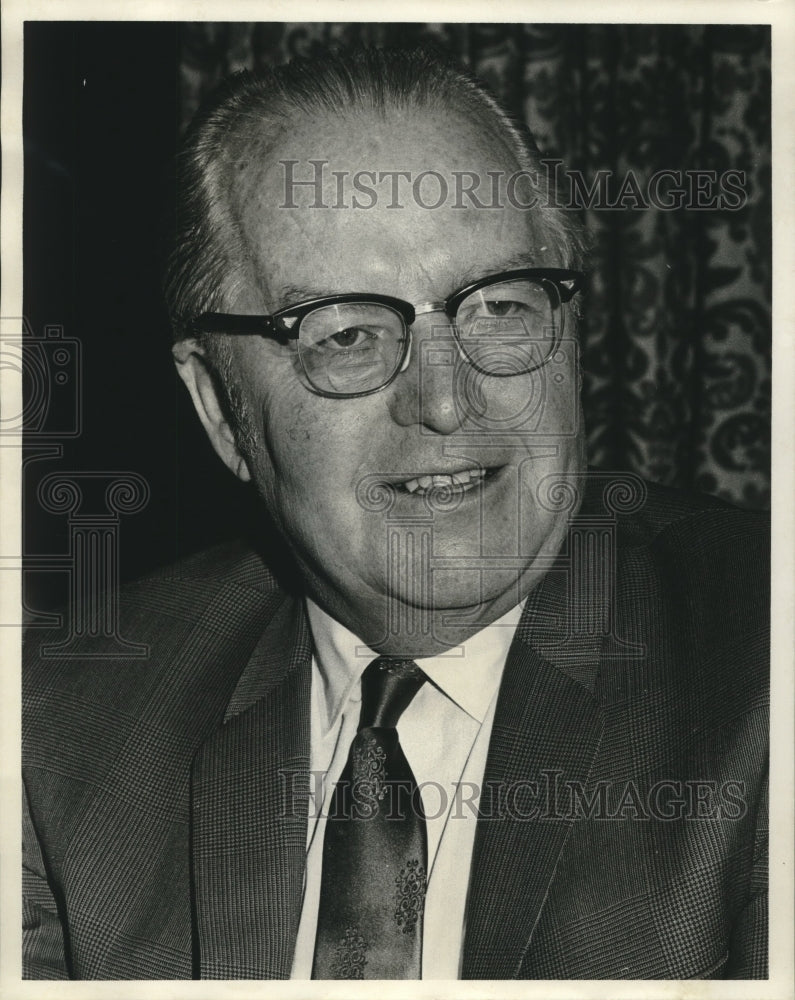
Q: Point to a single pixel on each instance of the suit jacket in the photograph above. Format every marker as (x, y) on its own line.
(623, 817)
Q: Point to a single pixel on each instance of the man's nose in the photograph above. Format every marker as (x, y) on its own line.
(426, 392)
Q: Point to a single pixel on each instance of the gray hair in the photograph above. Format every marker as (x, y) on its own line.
(205, 263)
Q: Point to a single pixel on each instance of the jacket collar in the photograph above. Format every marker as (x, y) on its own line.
(547, 730)
(249, 813)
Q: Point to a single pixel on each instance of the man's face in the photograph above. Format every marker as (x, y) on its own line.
(318, 462)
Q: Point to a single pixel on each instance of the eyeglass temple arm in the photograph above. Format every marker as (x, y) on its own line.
(253, 326)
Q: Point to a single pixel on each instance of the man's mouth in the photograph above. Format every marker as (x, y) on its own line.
(455, 482)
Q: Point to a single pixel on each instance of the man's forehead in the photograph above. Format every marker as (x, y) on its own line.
(290, 164)
(356, 203)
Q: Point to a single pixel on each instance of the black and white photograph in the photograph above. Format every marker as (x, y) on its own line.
(393, 467)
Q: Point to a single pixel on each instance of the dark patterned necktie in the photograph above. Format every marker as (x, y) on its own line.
(372, 892)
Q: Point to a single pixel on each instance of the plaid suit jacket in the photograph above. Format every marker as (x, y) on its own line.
(623, 826)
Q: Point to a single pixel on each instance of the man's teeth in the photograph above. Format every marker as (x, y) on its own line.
(462, 480)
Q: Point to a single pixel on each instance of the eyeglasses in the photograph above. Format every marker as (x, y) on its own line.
(356, 344)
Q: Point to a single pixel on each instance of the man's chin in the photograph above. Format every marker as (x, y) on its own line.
(461, 603)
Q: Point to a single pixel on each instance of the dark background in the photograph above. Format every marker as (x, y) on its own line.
(101, 118)
(677, 329)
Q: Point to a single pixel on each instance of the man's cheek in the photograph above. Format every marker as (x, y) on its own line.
(540, 403)
(287, 429)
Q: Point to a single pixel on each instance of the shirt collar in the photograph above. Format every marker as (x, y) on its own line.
(469, 674)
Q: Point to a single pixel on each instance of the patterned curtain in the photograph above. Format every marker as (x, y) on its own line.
(676, 337)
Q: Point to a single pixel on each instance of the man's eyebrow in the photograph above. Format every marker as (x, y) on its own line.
(513, 263)
(289, 295)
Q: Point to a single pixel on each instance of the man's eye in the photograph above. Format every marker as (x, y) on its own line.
(491, 309)
(503, 307)
(352, 336)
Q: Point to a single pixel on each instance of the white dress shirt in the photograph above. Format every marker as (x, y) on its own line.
(444, 734)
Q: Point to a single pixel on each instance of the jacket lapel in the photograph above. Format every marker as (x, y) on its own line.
(249, 813)
(547, 729)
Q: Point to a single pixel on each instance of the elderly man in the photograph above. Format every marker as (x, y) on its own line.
(485, 714)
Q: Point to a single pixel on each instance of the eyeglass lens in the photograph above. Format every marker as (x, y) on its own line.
(506, 328)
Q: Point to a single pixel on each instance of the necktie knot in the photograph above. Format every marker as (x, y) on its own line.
(388, 685)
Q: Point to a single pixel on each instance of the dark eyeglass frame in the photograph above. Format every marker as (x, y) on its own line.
(284, 326)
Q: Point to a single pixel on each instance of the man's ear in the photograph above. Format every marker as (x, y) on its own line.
(197, 375)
